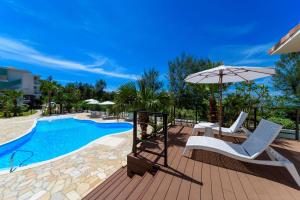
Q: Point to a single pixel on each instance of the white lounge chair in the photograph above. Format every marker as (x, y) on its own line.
(231, 130)
(254, 145)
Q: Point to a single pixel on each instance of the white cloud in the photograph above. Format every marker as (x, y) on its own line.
(244, 54)
(256, 49)
(239, 30)
(11, 49)
(232, 30)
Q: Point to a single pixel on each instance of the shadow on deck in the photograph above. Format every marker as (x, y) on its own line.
(204, 175)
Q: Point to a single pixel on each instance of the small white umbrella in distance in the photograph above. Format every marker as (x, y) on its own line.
(107, 103)
(90, 100)
(228, 74)
(93, 102)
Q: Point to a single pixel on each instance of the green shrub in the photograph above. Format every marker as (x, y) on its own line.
(285, 122)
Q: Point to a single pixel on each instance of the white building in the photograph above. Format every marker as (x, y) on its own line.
(16, 79)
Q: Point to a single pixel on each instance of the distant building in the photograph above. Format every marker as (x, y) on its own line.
(22, 80)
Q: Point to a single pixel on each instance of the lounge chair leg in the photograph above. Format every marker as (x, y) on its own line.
(184, 152)
(193, 131)
(293, 171)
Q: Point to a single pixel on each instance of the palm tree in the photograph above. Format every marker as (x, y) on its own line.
(146, 95)
(13, 96)
(60, 98)
(149, 100)
(49, 88)
(6, 104)
(125, 97)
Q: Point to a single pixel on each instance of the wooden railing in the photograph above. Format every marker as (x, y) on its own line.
(164, 131)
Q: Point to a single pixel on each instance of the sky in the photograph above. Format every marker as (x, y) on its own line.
(80, 40)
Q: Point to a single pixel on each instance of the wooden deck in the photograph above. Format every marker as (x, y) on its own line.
(204, 175)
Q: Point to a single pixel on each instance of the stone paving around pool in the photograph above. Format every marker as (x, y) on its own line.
(71, 177)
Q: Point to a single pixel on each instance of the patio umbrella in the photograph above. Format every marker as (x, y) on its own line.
(90, 100)
(228, 74)
(93, 102)
(107, 103)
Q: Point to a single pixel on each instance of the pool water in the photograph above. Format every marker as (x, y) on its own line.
(52, 138)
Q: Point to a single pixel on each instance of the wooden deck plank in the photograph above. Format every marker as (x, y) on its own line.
(237, 186)
(106, 182)
(106, 186)
(259, 188)
(271, 184)
(175, 183)
(161, 192)
(226, 185)
(217, 190)
(185, 186)
(138, 191)
(151, 191)
(103, 193)
(248, 187)
(125, 192)
(203, 175)
(115, 191)
(206, 190)
(195, 191)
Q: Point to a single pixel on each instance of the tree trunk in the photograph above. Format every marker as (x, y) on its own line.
(212, 106)
(143, 120)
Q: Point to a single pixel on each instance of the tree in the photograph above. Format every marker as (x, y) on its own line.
(87, 91)
(14, 95)
(246, 97)
(99, 88)
(126, 96)
(49, 88)
(151, 80)
(72, 96)
(287, 78)
(191, 95)
(9, 100)
(60, 98)
(145, 95)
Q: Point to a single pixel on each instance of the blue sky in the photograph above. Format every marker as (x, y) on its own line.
(117, 40)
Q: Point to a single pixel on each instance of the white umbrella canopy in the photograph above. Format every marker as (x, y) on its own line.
(93, 102)
(228, 74)
(90, 100)
(107, 103)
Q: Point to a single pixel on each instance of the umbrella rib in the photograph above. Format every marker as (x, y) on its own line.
(202, 79)
(208, 73)
(205, 76)
(238, 75)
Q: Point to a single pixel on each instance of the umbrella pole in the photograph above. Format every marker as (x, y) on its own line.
(220, 99)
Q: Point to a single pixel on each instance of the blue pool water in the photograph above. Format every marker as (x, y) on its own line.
(50, 139)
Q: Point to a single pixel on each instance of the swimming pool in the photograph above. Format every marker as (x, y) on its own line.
(52, 138)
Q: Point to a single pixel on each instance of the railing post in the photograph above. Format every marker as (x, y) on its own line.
(297, 124)
(165, 129)
(134, 133)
